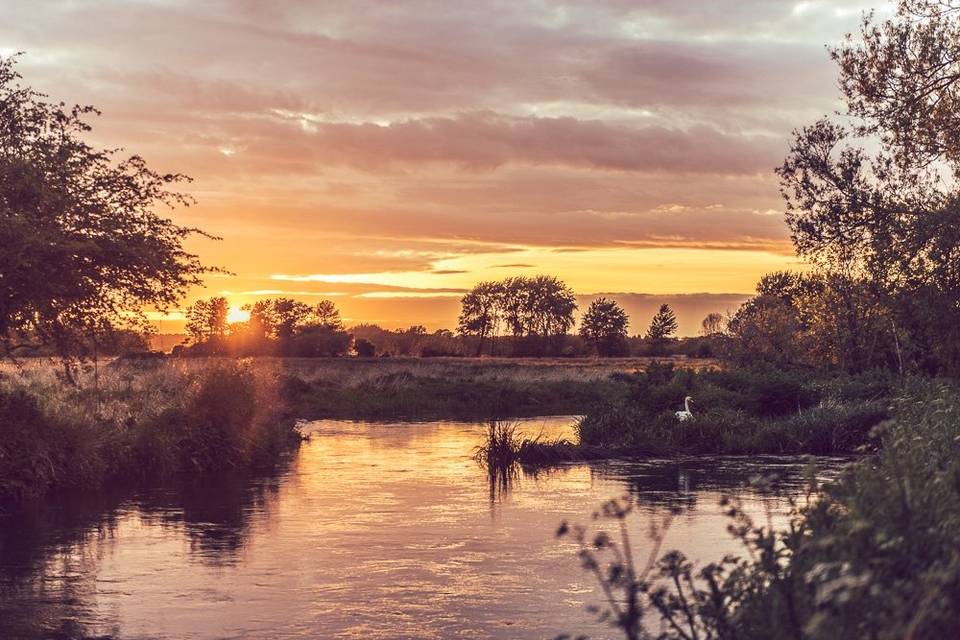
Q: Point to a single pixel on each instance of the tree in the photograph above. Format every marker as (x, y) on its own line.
(663, 325)
(815, 319)
(605, 325)
(83, 250)
(326, 315)
(890, 218)
(537, 310)
(713, 324)
(766, 328)
(480, 310)
(279, 318)
(319, 333)
(207, 319)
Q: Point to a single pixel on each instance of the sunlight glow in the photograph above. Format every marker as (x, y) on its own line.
(236, 314)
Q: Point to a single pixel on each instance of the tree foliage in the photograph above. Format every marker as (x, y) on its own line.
(713, 324)
(207, 319)
(663, 325)
(280, 326)
(82, 247)
(890, 218)
(605, 325)
(537, 311)
(816, 319)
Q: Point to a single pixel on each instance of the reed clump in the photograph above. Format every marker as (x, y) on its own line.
(504, 447)
(501, 446)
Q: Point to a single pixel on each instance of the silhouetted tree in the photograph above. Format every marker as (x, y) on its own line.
(815, 319)
(207, 319)
(766, 328)
(712, 324)
(662, 328)
(82, 248)
(538, 311)
(279, 318)
(326, 315)
(480, 312)
(605, 325)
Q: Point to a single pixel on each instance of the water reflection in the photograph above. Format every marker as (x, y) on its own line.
(371, 531)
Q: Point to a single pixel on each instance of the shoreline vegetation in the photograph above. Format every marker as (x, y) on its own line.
(738, 412)
(142, 425)
(150, 420)
(871, 555)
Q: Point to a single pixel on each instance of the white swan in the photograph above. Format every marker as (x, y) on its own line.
(686, 414)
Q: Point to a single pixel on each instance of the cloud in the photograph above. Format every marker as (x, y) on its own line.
(484, 141)
(403, 138)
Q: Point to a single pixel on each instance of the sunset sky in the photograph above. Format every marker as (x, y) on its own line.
(389, 155)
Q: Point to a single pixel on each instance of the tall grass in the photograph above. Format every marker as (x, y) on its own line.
(501, 446)
(140, 422)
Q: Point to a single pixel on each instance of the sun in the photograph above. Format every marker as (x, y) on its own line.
(236, 314)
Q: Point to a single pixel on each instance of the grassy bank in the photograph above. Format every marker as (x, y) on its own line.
(876, 555)
(456, 388)
(735, 411)
(142, 423)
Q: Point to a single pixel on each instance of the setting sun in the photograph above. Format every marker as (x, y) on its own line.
(237, 314)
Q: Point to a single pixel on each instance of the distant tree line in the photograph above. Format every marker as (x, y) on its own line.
(280, 327)
(536, 323)
(532, 316)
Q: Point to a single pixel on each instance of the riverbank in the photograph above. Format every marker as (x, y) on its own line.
(733, 412)
(143, 420)
(138, 424)
(456, 388)
(871, 555)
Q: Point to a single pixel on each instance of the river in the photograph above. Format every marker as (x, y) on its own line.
(368, 531)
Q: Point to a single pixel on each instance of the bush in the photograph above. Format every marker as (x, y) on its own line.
(364, 348)
(38, 451)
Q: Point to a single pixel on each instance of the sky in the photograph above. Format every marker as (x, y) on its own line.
(389, 155)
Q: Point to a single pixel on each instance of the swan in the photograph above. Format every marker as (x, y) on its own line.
(686, 414)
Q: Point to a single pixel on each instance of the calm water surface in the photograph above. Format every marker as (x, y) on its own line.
(369, 531)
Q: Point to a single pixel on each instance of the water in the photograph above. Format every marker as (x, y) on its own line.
(369, 531)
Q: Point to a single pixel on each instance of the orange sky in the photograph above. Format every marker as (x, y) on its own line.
(390, 155)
